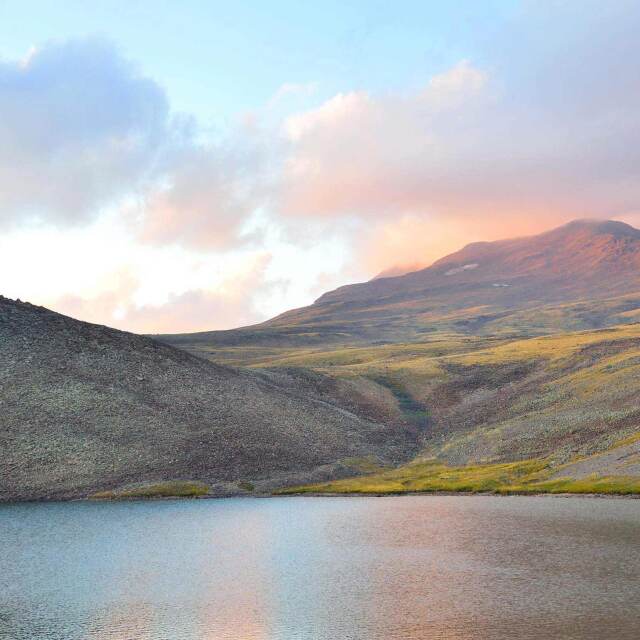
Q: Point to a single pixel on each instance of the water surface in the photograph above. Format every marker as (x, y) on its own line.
(417, 568)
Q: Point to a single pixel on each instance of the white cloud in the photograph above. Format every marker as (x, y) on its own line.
(82, 132)
(342, 107)
(453, 86)
(196, 309)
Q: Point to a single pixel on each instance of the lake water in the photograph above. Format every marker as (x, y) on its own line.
(415, 567)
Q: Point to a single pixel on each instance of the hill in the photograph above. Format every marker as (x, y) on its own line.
(551, 413)
(85, 409)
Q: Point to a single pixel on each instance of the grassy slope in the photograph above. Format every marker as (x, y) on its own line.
(494, 400)
(170, 489)
(521, 358)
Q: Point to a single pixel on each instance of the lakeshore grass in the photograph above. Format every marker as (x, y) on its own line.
(168, 489)
(524, 477)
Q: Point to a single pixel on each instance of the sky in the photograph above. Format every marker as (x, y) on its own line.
(170, 167)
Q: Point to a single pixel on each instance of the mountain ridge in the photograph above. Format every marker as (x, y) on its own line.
(583, 260)
(570, 236)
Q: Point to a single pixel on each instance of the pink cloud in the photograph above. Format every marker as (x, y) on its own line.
(203, 202)
(462, 146)
(229, 305)
(407, 243)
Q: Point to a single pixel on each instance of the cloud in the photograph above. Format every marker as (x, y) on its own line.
(540, 125)
(365, 155)
(79, 129)
(228, 305)
(204, 201)
(196, 310)
(545, 126)
(392, 246)
(292, 89)
(333, 113)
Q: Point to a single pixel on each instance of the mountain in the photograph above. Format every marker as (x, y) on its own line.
(583, 258)
(398, 270)
(483, 289)
(85, 408)
(554, 413)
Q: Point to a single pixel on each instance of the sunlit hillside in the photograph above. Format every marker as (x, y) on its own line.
(482, 400)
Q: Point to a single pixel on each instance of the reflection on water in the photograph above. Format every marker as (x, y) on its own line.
(451, 568)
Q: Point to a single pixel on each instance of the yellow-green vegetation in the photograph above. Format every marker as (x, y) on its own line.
(169, 489)
(363, 465)
(628, 440)
(432, 476)
(528, 476)
(552, 347)
(428, 356)
(320, 345)
(350, 357)
(608, 485)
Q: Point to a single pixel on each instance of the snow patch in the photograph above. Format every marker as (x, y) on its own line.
(464, 267)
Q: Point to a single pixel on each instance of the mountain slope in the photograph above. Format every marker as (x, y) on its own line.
(86, 408)
(524, 349)
(574, 257)
(485, 288)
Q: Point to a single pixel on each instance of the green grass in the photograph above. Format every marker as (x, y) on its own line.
(528, 476)
(169, 489)
(431, 476)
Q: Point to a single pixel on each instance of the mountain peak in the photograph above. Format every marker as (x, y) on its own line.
(583, 258)
(559, 244)
(599, 227)
(471, 290)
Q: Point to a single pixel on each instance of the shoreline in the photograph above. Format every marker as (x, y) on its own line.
(479, 494)
(261, 496)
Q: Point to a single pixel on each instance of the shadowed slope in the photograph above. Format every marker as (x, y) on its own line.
(85, 408)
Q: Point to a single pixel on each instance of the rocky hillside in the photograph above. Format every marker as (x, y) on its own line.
(85, 408)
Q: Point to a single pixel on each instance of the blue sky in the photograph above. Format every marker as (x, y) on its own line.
(178, 166)
(217, 59)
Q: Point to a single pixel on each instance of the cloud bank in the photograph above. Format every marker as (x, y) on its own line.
(538, 128)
